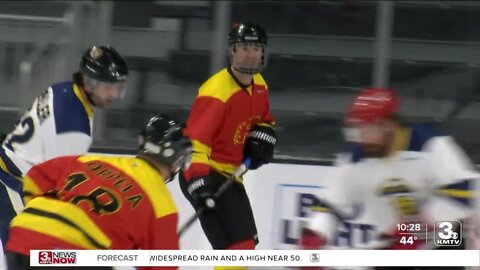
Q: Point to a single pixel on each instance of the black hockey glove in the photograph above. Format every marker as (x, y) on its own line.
(259, 145)
(202, 189)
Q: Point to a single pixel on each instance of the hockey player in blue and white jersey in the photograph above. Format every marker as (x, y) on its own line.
(58, 123)
(397, 173)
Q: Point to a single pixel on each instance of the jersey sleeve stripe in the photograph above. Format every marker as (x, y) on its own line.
(30, 189)
(11, 181)
(66, 222)
(7, 164)
(73, 225)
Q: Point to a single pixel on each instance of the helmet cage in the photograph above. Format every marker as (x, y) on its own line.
(249, 70)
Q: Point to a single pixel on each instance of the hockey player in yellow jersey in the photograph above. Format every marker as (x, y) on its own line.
(103, 202)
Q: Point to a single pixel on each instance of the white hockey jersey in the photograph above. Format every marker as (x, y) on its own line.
(58, 123)
(431, 178)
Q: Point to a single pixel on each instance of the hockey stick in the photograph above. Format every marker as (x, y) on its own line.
(242, 169)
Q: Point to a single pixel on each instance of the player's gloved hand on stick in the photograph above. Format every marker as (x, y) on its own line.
(259, 146)
(202, 189)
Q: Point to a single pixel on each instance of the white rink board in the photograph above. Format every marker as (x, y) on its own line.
(265, 187)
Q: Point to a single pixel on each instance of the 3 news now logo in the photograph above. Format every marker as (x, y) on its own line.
(448, 233)
(57, 257)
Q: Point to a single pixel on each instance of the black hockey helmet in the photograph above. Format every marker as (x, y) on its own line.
(163, 139)
(104, 64)
(248, 33)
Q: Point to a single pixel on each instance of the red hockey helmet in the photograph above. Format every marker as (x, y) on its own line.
(372, 104)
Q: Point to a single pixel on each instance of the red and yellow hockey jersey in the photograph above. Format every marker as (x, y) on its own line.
(95, 202)
(220, 120)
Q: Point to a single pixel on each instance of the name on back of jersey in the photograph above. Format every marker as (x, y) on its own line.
(43, 108)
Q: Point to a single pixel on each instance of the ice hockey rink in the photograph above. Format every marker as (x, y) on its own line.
(320, 54)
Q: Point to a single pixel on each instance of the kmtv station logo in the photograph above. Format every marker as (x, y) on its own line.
(448, 233)
(57, 257)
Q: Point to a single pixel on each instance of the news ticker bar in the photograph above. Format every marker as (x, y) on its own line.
(255, 257)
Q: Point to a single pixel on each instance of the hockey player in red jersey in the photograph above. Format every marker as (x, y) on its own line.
(103, 202)
(396, 173)
(230, 120)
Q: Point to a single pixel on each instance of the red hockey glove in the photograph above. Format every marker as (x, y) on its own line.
(310, 240)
